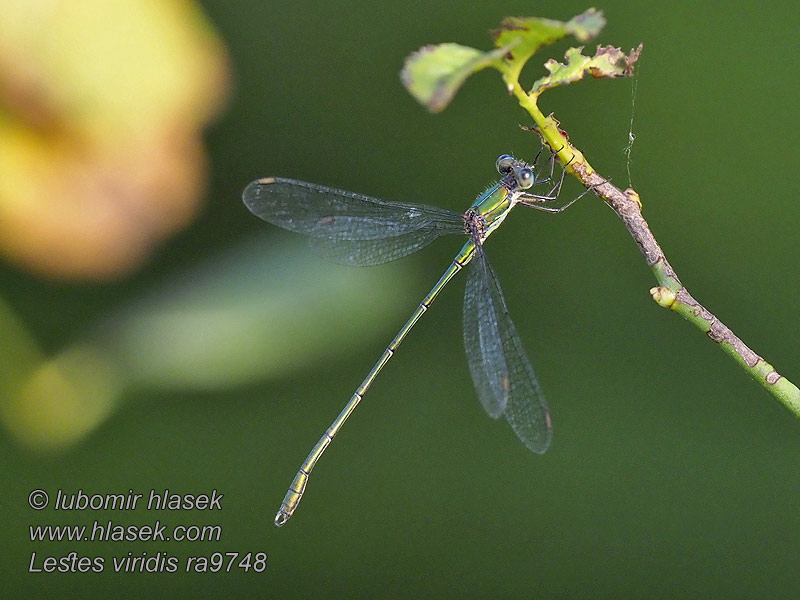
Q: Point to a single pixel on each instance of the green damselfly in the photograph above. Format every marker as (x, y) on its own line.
(358, 230)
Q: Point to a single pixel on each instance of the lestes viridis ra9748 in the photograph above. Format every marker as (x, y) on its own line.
(357, 230)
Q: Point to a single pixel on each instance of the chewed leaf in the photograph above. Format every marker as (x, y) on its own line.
(586, 25)
(528, 34)
(607, 62)
(433, 74)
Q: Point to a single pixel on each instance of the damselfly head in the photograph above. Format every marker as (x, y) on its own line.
(523, 174)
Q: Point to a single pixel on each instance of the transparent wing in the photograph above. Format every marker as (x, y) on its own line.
(349, 228)
(500, 369)
(482, 341)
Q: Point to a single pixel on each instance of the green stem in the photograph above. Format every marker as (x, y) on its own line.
(567, 154)
(759, 369)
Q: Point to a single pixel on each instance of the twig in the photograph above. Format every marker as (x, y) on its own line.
(672, 294)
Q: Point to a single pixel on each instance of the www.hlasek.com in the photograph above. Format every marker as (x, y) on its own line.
(111, 530)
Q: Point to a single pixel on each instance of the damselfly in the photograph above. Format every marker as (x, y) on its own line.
(358, 230)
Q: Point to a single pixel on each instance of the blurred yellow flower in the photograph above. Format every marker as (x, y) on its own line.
(102, 103)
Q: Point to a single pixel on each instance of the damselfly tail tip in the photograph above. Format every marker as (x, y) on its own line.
(281, 518)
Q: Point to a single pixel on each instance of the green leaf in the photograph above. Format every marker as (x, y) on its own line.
(47, 404)
(433, 74)
(64, 399)
(528, 34)
(586, 25)
(607, 62)
(260, 311)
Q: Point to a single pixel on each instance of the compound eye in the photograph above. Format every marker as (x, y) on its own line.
(524, 178)
(505, 163)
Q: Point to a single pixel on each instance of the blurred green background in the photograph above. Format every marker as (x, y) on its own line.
(671, 474)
